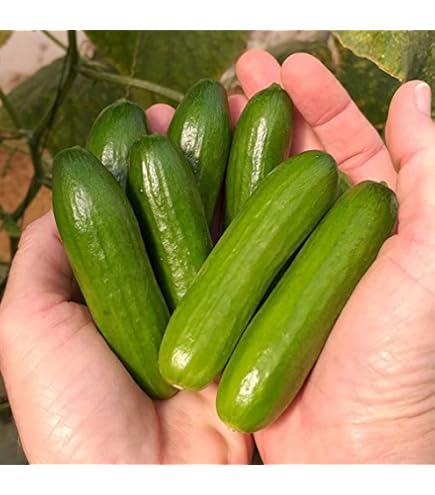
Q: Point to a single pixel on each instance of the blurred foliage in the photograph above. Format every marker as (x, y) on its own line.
(404, 55)
(73, 120)
(10, 449)
(380, 61)
(175, 59)
(371, 74)
(4, 36)
(370, 87)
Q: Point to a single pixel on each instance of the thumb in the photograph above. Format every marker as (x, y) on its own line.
(410, 137)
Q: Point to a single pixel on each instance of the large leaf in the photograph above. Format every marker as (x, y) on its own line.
(74, 118)
(370, 87)
(174, 59)
(403, 54)
(4, 36)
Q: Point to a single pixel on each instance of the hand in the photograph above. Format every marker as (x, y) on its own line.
(74, 402)
(71, 398)
(371, 395)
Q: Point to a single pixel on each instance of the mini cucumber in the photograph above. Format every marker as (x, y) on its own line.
(116, 128)
(201, 126)
(284, 339)
(261, 141)
(205, 327)
(165, 197)
(102, 240)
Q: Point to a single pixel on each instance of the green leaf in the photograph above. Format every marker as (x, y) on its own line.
(175, 59)
(404, 55)
(370, 87)
(4, 36)
(84, 101)
(400, 55)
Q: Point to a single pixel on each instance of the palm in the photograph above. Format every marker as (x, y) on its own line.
(90, 410)
(369, 397)
(370, 385)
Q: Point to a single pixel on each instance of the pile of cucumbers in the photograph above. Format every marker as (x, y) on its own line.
(252, 310)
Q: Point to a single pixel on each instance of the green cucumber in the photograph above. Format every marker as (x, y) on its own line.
(116, 128)
(163, 191)
(344, 183)
(261, 142)
(284, 339)
(201, 126)
(205, 327)
(102, 240)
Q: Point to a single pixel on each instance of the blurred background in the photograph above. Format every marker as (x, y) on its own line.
(53, 84)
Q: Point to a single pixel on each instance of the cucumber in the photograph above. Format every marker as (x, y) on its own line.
(344, 183)
(284, 339)
(102, 240)
(205, 327)
(261, 141)
(201, 126)
(163, 191)
(116, 128)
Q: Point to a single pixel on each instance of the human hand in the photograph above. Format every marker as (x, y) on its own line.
(371, 396)
(72, 400)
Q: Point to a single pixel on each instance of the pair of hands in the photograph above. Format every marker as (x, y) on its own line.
(371, 395)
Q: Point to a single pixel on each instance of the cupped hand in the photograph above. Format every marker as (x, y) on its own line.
(72, 400)
(371, 396)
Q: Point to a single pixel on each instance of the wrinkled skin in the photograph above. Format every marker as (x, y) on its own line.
(371, 395)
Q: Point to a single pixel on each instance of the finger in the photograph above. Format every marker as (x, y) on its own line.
(197, 434)
(159, 117)
(304, 138)
(256, 70)
(410, 135)
(338, 123)
(41, 266)
(236, 103)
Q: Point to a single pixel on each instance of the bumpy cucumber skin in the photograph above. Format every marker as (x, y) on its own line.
(284, 339)
(260, 142)
(205, 327)
(201, 127)
(115, 129)
(102, 239)
(165, 197)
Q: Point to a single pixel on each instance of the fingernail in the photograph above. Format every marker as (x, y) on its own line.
(423, 98)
